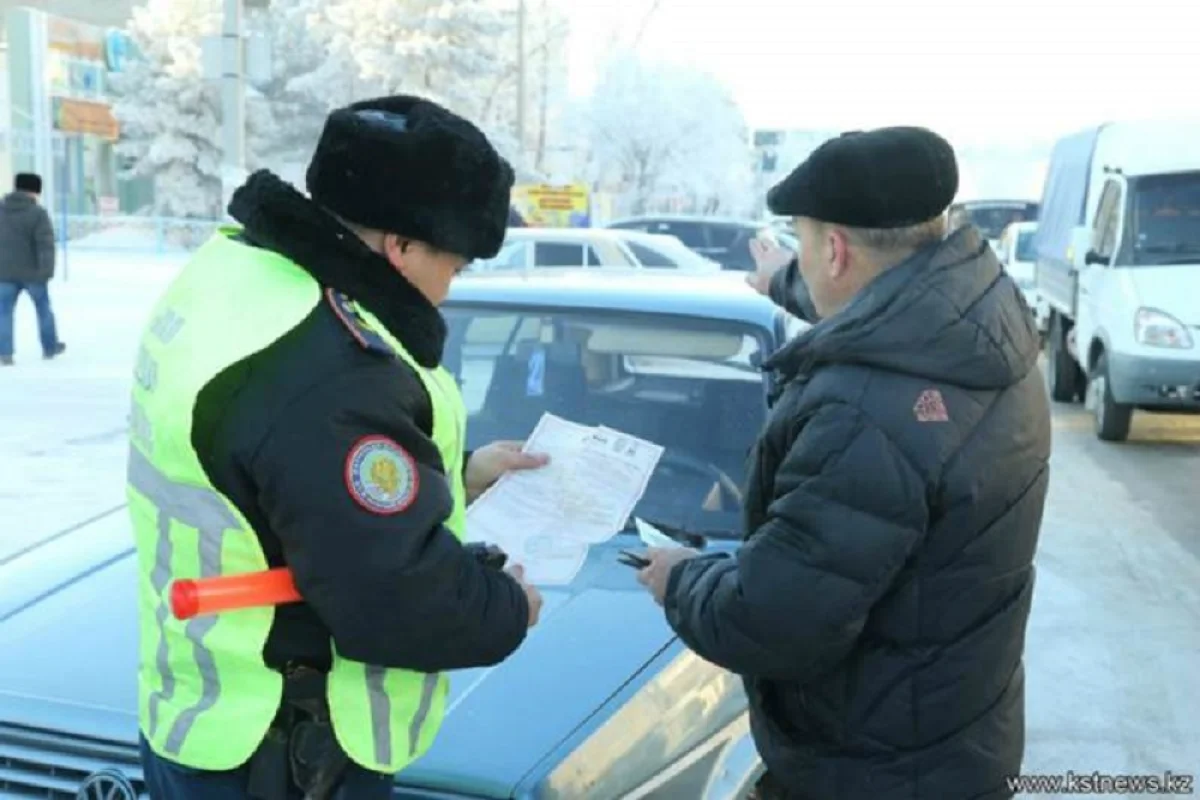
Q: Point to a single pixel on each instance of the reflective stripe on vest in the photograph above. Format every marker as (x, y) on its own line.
(206, 698)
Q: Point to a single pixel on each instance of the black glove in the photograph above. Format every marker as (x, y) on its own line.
(488, 554)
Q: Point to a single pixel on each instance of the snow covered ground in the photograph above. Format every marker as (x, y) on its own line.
(63, 422)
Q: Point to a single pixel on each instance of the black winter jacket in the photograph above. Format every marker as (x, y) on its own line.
(877, 609)
(275, 433)
(26, 240)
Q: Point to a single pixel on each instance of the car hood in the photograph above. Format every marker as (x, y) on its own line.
(68, 614)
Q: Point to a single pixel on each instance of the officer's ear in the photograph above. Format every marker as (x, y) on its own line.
(396, 249)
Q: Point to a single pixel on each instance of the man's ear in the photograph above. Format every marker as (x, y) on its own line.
(839, 251)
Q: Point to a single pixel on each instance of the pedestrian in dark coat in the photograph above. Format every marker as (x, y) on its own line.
(26, 264)
(877, 609)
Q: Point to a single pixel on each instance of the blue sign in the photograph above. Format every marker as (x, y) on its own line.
(117, 46)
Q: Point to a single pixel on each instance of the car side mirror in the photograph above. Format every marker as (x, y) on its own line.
(1080, 245)
(1093, 258)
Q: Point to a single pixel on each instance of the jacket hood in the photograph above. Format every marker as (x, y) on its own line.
(949, 314)
(19, 201)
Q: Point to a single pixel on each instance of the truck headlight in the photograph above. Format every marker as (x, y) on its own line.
(1158, 329)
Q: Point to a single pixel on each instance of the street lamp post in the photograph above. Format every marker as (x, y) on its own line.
(521, 78)
(233, 101)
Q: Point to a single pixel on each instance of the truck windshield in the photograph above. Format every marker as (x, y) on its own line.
(1025, 251)
(1165, 214)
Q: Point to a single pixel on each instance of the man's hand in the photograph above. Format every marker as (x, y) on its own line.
(491, 461)
(517, 573)
(769, 257)
(662, 560)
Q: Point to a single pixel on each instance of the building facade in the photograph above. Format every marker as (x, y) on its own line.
(59, 109)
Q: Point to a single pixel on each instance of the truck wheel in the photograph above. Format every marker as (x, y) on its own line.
(1064, 376)
(1112, 419)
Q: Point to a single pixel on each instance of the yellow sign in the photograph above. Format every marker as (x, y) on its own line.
(553, 206)
(82, 116)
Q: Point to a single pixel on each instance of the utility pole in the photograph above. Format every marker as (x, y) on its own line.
(521, 79)
(233, 102)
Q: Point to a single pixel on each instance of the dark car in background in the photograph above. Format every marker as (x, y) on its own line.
(602, 701)
(993, 216)
(725, 240)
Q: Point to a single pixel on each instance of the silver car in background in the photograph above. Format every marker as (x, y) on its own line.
(529, 248)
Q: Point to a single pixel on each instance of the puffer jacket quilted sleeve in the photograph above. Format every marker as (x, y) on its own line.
(846, 511)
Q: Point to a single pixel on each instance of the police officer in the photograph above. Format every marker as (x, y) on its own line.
(290, 410)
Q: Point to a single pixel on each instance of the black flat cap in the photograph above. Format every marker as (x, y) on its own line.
(407, 165)
(885, 178)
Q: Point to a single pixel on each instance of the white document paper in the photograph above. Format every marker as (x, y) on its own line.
(652, 536)
(546, 519)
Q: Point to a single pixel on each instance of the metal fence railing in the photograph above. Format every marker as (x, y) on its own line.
(138, 234)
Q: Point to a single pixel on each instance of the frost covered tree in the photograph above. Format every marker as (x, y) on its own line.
(462, 53)
(170, 120)
(667, 135)
(170, 115)
(303, 86)
(437, 48)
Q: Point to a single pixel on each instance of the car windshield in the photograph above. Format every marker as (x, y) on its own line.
(1166, 219)
(660, 377)
(993, 218)
(1025, 251)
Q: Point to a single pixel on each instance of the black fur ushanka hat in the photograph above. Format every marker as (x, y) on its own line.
(406, 165)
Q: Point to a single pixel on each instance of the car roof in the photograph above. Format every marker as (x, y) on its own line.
(722, 295)
(571, 234)
(1003, 202)
(697, 218)
(644, 236)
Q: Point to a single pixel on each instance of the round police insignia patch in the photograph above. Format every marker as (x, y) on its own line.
(381, 476)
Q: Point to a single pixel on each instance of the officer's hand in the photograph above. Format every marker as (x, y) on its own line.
(491, 461)
(531, 593)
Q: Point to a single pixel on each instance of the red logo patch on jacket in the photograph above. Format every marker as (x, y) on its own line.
(930, 407)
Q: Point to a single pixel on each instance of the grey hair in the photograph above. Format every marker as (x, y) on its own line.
(890, 241)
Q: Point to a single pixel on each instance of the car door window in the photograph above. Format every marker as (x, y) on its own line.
(649, 257)
(592, 258)
(514, 255)
(558, 254)
(690, 233)
(1104, 236)
(724, 236)
(738, 254)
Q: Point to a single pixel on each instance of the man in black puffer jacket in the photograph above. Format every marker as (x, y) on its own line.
(877, 609)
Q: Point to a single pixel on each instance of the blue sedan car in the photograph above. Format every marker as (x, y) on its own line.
(602, 700)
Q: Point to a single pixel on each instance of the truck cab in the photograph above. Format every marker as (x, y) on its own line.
(1118, 267)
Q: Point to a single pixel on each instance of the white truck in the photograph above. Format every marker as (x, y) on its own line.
(1118, 268)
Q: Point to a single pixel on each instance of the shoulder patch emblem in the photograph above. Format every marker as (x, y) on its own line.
(366, 336)
(930, 407)
(381, 476)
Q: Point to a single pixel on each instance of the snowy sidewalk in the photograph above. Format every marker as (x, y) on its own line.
(63, 422)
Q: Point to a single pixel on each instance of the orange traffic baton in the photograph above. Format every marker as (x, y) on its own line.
(192, 598)
(273, 587)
